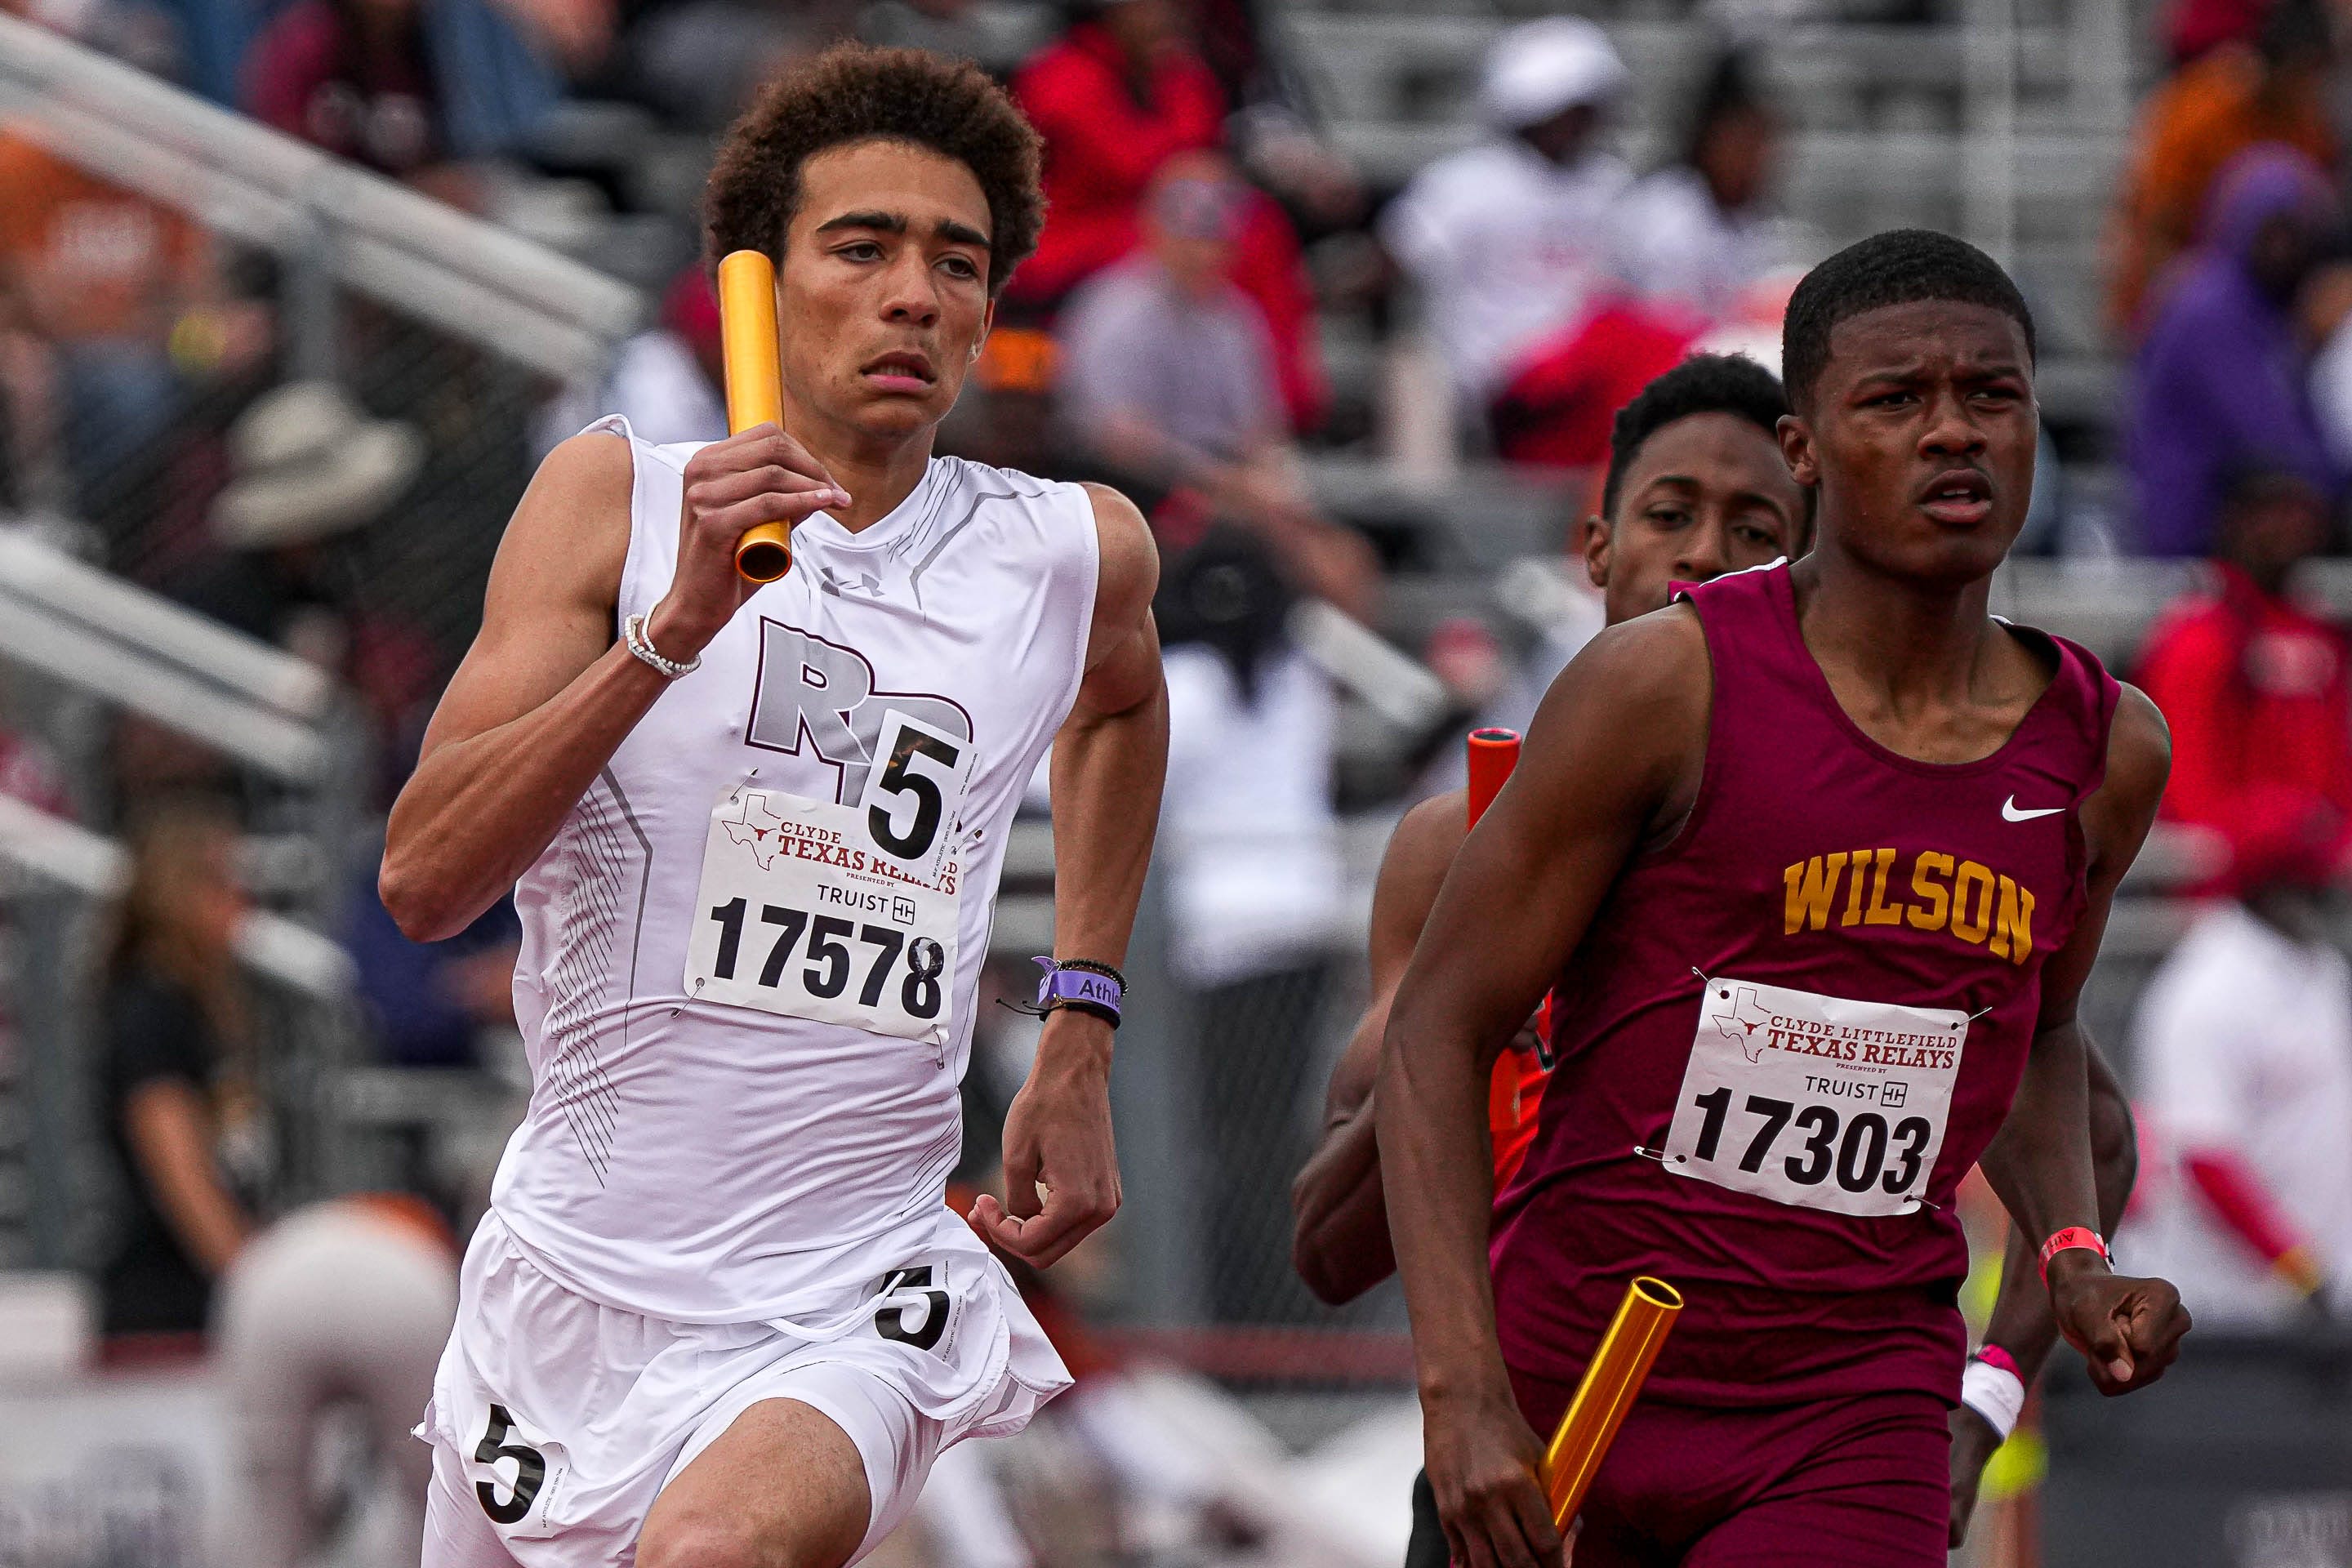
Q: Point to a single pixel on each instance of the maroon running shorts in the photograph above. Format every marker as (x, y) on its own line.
(1861, 1482)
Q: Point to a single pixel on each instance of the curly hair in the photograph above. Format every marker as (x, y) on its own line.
(855, 92)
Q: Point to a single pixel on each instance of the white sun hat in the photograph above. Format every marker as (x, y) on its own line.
(1541, 69)
(308, 464)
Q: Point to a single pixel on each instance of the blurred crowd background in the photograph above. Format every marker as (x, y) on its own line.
(294, 293)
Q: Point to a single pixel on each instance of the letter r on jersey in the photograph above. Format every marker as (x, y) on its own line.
(825, 690)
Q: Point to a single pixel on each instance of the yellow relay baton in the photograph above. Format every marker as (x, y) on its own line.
(755, 389)
(1607, 1391)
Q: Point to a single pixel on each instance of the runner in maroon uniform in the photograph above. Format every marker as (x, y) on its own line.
(1818, 914)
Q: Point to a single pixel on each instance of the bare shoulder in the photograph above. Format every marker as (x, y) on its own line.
(1128, 574)
(1420, 852)
(2139, 759)
(1651, 668)
(1130, 556)
(569, 538)
(2139, 744)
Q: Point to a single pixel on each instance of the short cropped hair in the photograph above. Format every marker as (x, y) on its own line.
(855, 92)
(1900, 267)
(1703, 383)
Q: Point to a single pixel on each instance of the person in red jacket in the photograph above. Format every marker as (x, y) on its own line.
(1120, 93)
(2257, 690)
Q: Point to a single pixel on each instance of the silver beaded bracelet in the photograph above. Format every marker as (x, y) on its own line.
(633, 633)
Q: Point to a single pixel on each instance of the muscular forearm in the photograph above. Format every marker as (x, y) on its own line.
(2040, 1163)
(1340, 1244)
(2021, 1322)
(1431, 1106)
(479, 810)
(1106, 777)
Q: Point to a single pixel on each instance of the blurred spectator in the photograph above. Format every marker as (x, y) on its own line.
(1118, 94)
(431, 1001)
(2220, 382)
(2257, 690)
(2195, 124)
(95, 278)
(1254, 892)
(309, 469)
(340, 1308)
(2245, 1050)
(176, 1074)
(401, 86)
(1168, 375)
(1696, 235)
(1510, 244)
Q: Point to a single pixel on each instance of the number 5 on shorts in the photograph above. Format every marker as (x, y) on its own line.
(912, 1312)
(530, 1469)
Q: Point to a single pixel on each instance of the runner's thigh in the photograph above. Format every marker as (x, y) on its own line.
(456, 1535)
(1875, 1493)
(857, 1450)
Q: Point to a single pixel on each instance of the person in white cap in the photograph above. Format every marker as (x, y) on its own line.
(1510, 241)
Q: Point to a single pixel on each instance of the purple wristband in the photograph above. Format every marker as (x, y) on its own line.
(1082, 989)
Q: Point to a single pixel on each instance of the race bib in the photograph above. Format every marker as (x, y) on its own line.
(802, 914)
(1819, 1101)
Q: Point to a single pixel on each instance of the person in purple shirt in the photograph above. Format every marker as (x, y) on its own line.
(2220, 380)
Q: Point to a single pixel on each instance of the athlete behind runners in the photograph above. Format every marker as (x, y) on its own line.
(719, 1313)
(1695, 488)
(1819, 864)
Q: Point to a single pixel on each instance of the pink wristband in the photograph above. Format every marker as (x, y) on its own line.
(2074, 1236)
(1993, 1355)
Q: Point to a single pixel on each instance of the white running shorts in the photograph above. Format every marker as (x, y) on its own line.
(556, 1421)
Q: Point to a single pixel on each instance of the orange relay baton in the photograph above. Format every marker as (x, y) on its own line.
(1609, 1386)
(755, 388)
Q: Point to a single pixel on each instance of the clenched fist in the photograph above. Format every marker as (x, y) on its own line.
(731, 487)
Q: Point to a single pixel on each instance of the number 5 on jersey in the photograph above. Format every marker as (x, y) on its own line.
(913, 793)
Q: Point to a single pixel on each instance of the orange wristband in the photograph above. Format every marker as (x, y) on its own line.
(2074, 1236)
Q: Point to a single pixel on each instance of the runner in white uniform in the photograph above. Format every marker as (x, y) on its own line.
(719, 1313)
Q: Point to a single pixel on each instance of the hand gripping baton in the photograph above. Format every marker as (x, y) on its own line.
(755, 389)
(1610, 1383)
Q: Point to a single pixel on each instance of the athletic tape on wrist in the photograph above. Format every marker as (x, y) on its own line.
(1995, 1392)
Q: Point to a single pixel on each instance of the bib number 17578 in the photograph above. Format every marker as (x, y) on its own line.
(830, 963)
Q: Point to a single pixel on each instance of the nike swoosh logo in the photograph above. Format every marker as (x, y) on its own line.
(2009, 813)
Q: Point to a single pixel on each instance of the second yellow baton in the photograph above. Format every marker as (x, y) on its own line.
(755, 388)
(1607, 1391)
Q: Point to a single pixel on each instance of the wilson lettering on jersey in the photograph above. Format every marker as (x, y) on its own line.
(1790, 1031)
(1931, 891)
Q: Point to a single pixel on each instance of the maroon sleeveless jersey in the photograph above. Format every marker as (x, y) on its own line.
(1791, 1030)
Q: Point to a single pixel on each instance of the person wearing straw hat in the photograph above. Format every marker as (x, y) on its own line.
(308, 464)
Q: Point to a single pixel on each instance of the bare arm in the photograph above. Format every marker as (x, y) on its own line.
(2021, 1322)
(2040, 1163)
(1109, 759)
(546, 695)
(169, 1131)
(1613, 755)
(1340, 1244)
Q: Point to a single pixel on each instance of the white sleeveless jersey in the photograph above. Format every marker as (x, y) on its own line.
(751, 956)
